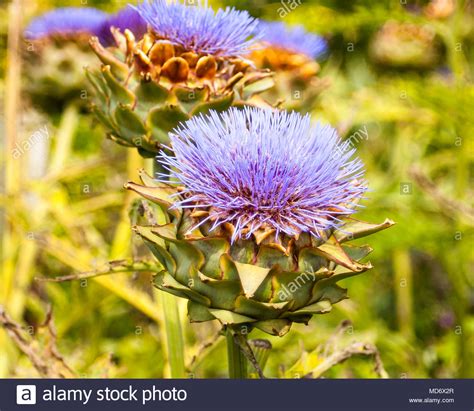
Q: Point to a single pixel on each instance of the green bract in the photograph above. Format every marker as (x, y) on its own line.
(258, 282)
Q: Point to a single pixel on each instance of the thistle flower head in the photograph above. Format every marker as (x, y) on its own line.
(66, 21)
(126, 18)
(198, 28)
(293, 39)
(264, 170)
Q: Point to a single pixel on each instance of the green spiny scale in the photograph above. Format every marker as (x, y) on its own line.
(262, 282)
(145, 88)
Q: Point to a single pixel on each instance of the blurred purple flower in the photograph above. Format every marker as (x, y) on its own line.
(262, 169)
(66, 21)
(198, 28)
(127, 18)
(294, 38)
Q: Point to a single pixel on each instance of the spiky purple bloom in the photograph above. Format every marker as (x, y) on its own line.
(66, 21)
(126, 18)
(295, 38)
(198, 28)
(260, 169)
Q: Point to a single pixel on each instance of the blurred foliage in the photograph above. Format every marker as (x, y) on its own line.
(416, 306)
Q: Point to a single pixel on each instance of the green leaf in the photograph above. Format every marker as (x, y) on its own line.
(162, 120)
(166, 282)
(357, 252)
(278, 327)
(321, 307)
(99, 85)
(334, 252)
(119, 68)
(251, 277)
(156, 246)
(212, 248)
(270, 256)
(257, 87)
(228, 317)
(256, 309)
(310, 260)
(328, 290)
(218, 104)
(190, 97)
(150, 94)
(198, 312)
(158, 195)
(104, 119)
(119, 93)
(130, 125)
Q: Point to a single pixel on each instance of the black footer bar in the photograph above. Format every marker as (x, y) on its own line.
(248, 395)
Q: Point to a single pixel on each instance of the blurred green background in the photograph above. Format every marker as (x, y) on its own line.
(407, 82)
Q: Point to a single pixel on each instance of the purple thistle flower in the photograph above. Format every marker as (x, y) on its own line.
(199, 29)
(126, 18)
(66, 21)
(260, 169)
(295, 38)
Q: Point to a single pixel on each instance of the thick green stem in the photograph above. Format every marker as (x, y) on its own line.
(173, 329)
(174, 335)
(236, 358)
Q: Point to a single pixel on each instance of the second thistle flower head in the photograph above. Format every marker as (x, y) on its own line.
(293, 39)
(198, 28)
(290, 49)
(66, 21)
(264, 171)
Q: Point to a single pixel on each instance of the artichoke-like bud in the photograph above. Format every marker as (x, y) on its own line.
(291, 53)
(187, 63)
(256, 218)
(56, 51)
(405, 45)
